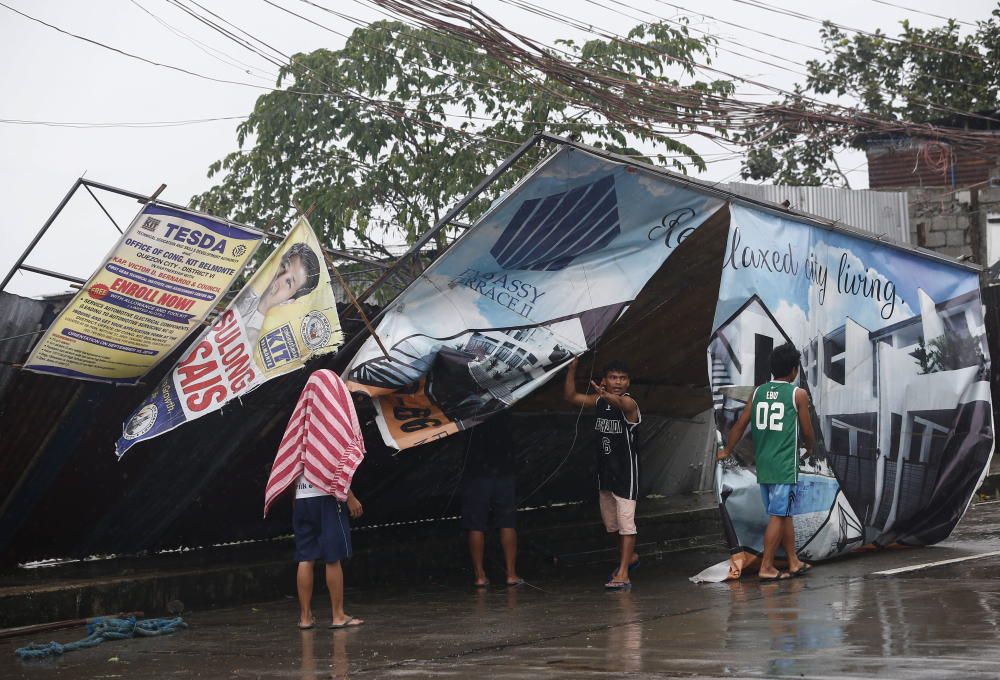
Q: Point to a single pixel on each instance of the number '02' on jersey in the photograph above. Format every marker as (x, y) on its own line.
(774, 424)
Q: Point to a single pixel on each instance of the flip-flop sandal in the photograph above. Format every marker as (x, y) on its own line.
(782, 576)
(631, 568)
(485, 584)
(805, 569)
(346, 624)
(301, 627)
(617, 585)
(515, 584)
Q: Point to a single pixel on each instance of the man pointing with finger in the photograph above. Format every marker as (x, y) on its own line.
(617, 458)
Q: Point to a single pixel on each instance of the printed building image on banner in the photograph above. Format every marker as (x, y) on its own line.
(532, 284)
(895, 361)
(284, 316)
(162, 278)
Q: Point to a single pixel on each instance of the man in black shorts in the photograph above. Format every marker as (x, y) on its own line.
(489, 490)
(617, 416)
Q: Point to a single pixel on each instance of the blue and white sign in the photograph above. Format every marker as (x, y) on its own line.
(895, 361)
(534, 283)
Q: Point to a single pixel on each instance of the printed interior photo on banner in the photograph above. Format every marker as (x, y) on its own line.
(896, 366)
(166, 273)
(533, 283)
(285, 315)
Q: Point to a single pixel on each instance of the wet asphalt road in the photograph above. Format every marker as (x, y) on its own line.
(841, 621)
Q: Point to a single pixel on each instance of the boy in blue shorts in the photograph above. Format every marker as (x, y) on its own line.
(322, 532)
(777, 413)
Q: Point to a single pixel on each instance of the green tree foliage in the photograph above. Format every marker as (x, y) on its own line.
(368, 134)
(924, 361)
(920, 76)
(948, 352)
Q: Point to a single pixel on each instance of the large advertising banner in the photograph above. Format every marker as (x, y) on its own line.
(283, 317)
(896, 365)
(162, 278)
(533, 283)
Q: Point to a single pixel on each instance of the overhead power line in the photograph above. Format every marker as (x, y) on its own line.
(392, 108)
(771, 36)
(928, 14)
(684, 107)
(743, 27)
(604, 33)
(527, 6)
(760, 4)
(130, 55)
(650, 128)
(632, 105)
(218, 55)
(291, 65)
(132, 124)
(827, 77)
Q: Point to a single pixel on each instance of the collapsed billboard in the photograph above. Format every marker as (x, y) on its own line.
(535, 282)
(285, 315)
(166, 273)
(895, 361)
(893, 342)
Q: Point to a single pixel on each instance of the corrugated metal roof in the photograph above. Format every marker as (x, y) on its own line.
(21, 317)
(880, 213)
(906, 163)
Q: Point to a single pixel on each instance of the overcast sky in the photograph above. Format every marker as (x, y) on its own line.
(49, 76)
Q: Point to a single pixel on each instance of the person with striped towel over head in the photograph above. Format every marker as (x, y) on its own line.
(319, 453)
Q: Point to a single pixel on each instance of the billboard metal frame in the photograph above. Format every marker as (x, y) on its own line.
(89, 185)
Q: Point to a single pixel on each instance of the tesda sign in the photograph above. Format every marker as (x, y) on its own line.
(164, 275)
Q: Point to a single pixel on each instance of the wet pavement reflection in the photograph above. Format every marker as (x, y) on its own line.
(840, 621)
(338, 664)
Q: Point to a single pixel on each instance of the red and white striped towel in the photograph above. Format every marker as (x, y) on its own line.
(323, 440)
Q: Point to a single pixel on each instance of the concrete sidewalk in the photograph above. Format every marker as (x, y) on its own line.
(410, 554)
(551, 539)
(841, 621)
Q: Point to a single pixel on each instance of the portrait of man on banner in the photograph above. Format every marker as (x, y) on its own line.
(284, 316)
(297, 275)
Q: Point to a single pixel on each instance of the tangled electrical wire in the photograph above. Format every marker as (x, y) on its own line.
(641, 104)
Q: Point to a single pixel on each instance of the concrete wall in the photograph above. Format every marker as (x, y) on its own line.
(941, 222)
(954, 222)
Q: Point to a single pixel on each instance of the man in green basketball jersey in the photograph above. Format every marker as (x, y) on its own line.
(776, 413)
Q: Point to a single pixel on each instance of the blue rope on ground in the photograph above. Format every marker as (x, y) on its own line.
(101, 629)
